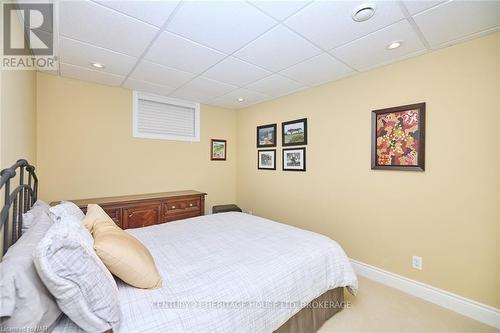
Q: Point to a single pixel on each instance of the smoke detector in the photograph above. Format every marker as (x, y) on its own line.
(364, 12)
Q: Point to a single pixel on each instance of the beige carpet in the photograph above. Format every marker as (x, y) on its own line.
(378, 308)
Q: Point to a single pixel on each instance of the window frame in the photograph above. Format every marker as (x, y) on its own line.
(136, 95)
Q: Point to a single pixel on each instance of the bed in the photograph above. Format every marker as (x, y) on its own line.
(234, 272)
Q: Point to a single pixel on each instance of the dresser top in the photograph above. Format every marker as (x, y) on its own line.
(134, 197)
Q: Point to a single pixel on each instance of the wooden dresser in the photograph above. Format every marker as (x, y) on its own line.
(135, 211)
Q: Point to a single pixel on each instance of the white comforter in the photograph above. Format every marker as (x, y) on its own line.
(230, 272)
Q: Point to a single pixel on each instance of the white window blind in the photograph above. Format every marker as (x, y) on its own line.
(165, 118)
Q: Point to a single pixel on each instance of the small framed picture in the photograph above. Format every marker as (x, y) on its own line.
(266, 136)
(294, 133)
(398, 138)
(294, 159)
(218, 150)
(266, 159)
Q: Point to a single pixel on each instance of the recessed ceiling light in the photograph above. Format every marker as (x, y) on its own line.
(394, 45)
(363, 12)
(241, 99)
(97, 65)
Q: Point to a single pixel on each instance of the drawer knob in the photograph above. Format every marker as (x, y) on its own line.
(173, 207)
(190, 205)
(131, 214)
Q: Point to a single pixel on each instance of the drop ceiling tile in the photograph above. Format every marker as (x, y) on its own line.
(416, 6)
(192, 96)
(329, 23)
(275, 85)
(81, 73)
(230, 100)
(152, 12)
(202, 89)
(278, 49)
(457, 19)
(157, 74)
(180, 53)
(149, 87)
(280, 10)
(223, 25)
(318, 70)
(235, 72)
(371, 50)
(83, 54)
(91, 23)
(227, 105)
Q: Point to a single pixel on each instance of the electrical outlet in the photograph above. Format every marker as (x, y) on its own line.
(416, 262)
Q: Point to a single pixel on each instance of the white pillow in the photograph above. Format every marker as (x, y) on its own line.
(32, 215)
(65, 209)
(82, 286)
(24, 300)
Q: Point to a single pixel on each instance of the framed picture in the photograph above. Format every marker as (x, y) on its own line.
(266, 159)
(398, 138)
(294, 133)
(294, 159)
(266, 136)
(218, 150)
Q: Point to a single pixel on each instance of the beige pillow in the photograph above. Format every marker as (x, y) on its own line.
(122, 254)
(95, 214)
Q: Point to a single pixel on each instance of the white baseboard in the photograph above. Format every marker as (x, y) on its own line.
(480, 312)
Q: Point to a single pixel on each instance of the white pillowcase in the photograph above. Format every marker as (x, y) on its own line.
(82, 286)
(25, 302)
(66, 209)
(33, 215)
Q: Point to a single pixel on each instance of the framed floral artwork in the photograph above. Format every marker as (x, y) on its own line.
(266, 136)
(218, 150)
(398, 138)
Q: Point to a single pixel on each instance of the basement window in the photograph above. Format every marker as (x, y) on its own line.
(157, 117)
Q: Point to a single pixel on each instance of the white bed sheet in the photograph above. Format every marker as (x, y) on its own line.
(229, 272)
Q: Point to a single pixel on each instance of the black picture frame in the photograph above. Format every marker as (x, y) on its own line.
(266, 151)
(285, 167)
(420, 137)
(264, 127)
(284, 132)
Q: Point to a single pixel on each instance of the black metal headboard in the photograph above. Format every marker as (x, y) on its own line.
(16, 201)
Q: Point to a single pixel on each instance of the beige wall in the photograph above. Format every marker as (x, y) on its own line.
(86, 149)
(17, 118)
(1, 112)
(447, 214)
(17, 115)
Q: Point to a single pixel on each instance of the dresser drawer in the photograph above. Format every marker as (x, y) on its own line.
(141, 215)
(115, 212)
(182, 206)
